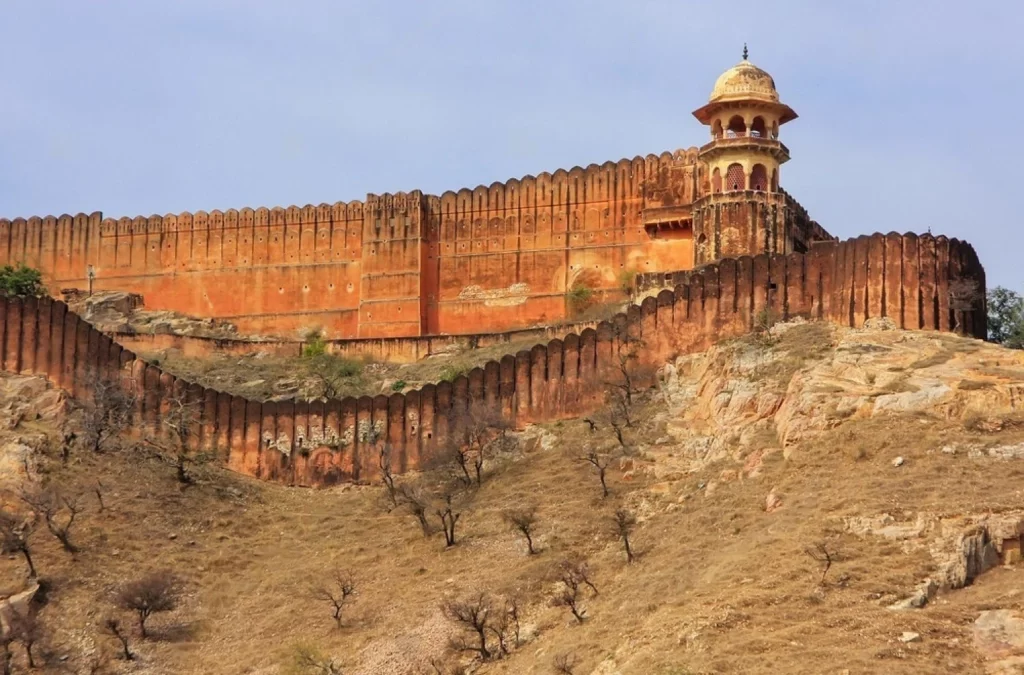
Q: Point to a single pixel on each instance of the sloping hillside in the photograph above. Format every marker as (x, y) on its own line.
(897, 455)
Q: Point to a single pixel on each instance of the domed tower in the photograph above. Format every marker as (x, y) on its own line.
(741, 210)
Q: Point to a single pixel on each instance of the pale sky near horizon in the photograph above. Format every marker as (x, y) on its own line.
(908, 109)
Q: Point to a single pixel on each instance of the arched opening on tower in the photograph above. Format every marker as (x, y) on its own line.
(757, 128)
(734, 178)
(775, 180)
(759, 178)
(716, 129)
(737, 127)
(716, 180)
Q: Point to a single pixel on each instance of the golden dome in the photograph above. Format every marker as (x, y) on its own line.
(744, 81)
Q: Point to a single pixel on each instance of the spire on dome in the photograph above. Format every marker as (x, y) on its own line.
(745, 53)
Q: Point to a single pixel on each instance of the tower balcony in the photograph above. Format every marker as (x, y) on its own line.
(747, 142)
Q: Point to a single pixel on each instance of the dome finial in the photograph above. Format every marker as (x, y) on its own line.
(744, 51)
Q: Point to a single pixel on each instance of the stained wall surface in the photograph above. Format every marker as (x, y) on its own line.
(405, 264)
(905, 278)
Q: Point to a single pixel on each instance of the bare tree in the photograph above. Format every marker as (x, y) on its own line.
(416, 502)
(565, 663)
(523, 521)
(591, 424)
(108, 411)
(99, 494)
(113, 626)
(387, 475)
(600, 463)
(823, 553)
(472, 438)
(58, 510)
(574, 575)
(337, 592)
(480, 616)
(449, 511)
(14, 534)
(625, 523)
(155, 592)
(180, 423)
(26, 629)
(626, 373)
(472, 614)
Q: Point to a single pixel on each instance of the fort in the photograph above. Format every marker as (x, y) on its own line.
(706, 234)
(470, 261)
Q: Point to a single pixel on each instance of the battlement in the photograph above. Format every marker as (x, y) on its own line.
(905, 278)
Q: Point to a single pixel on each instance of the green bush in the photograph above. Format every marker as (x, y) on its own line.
(627, 280)
(449, 373)
(315, 346)
(398, 385)
(21, 281)
(579, 297)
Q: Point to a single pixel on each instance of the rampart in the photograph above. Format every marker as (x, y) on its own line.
(480, 260)
(911, 280)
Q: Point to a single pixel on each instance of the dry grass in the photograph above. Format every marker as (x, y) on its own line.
(721, 585)
(796, 345)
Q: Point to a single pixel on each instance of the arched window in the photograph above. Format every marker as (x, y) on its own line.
(775, 180)
(716, 129)
(716, 180)
(737, 127)
(734, 178)
(759, 178)
(757, 129)
(775, 130)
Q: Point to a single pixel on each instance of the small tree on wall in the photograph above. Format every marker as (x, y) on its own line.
(21, 281)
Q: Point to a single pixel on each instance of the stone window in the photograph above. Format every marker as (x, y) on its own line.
(759, 178)
(735, 178)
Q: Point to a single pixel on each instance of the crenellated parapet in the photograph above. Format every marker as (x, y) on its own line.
(905, 278)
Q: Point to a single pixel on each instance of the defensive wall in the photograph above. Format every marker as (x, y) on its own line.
(906, 278)
(484, 260)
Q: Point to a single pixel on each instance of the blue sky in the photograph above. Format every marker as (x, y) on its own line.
(908, 110)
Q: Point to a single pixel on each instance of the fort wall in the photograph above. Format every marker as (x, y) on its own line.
(905, 278)
(395, 265)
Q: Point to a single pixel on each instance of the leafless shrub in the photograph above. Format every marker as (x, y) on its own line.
(113, 627)
(480, 616)
(565, 663)
(474, 435)
(179, 424)
(337, 593)
(624, 377)
(413, 498)
(472, 615)
(58, 510)
(824, 554)
(14, 535)
(574, 575)
(523, 521)
(309, 660)
(387, 474)
(600, 463)
(625, 523)
(452, 500)
(26, 629)
(107, 413)
(155, 592)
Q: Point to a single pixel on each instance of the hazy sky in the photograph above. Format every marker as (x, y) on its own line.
(909, 110)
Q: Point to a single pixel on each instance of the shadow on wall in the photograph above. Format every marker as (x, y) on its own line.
(917, 282)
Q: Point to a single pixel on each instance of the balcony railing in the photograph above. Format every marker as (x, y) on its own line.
(745, 140)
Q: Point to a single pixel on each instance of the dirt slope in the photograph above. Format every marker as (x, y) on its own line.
(901, 453)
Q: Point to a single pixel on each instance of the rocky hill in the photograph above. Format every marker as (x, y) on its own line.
(811, 500)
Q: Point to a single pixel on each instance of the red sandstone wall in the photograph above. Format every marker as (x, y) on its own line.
(396, 265)
(903, 277)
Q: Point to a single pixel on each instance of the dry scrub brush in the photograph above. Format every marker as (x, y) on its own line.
(155, 592)
(337, 592)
